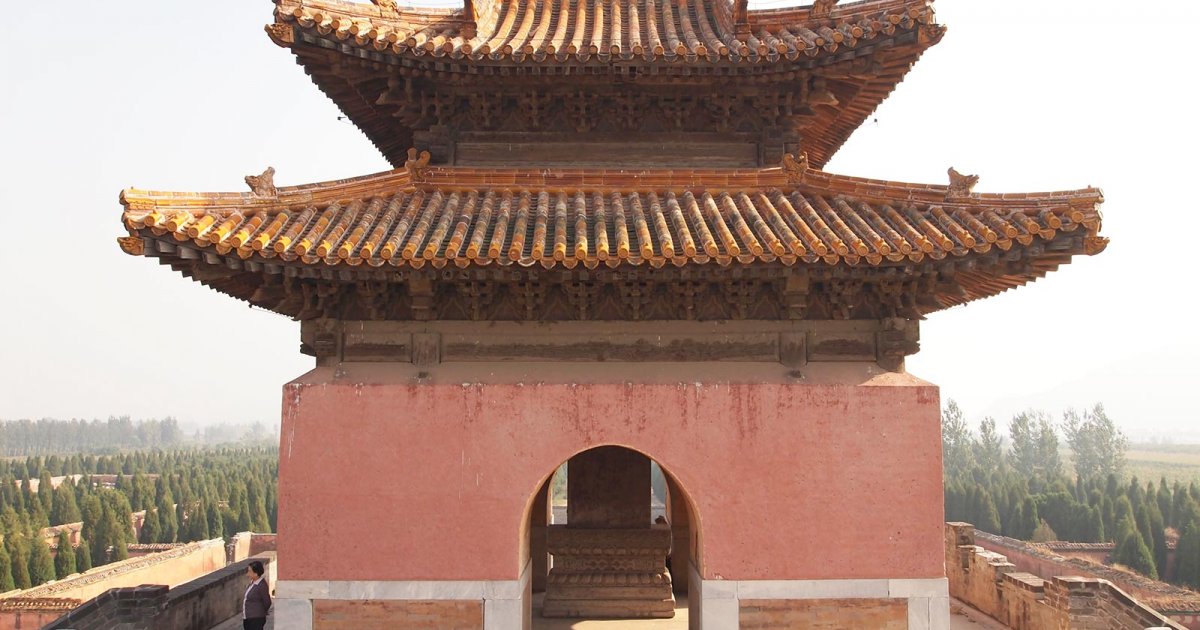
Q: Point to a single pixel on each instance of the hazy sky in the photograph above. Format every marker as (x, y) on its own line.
(1032, 95)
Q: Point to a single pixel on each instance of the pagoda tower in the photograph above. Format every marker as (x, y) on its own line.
(608, 241)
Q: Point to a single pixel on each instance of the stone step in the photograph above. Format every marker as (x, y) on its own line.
(610, 609)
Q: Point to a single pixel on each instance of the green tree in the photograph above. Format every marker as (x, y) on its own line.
(216, 524)
(83, 556)
(1043, 533)
(1097, 445)
(1021, 431)
(258, 507)
(989, 449)
(151, 530)
(91, 511)
(6, 576)
(1049, 464)
(45, 491)
(41, 562)
(19, 552)
(64, 557)
(65, 509)
(168, 524)
(244, 521)
(1133, 553)
(1029, 520)
(956, 441)
(1187, 555)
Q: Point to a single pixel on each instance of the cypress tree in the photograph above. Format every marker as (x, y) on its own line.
(1029, 520)
(258, 507)
(20, 564)
(83, 556)
(65, 509)
(45, 491)
(244, 523)
(41, 562)
(64, 558)
(167, 522)
(100, 541)
(1134, 554)
(216, 524)
(151, 530)
(6, 576)
(1043, 533)
(1187, 558)
(1158, 535)
(1095, 530)
(116, 538)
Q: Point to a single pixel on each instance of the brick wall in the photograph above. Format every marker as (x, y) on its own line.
(18, 614)
(1042, 560)
(987, 581)
(823, 614)
(397, 615)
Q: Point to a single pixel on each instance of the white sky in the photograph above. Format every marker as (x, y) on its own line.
(1032, 95)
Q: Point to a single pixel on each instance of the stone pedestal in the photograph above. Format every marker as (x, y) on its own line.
(617, 573)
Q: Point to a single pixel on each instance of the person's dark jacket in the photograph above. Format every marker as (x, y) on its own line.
(258, 601)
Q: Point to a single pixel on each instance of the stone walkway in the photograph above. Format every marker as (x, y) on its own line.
(963, 617)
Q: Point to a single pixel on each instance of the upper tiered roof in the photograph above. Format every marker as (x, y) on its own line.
(541, 32)
(789, 80)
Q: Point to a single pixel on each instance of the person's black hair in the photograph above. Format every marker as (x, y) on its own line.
(257, 568)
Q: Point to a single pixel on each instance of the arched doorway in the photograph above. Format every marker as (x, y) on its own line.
(595, 549)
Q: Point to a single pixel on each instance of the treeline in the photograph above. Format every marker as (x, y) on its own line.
(1018, 486)
(187, 495)
(20, 438)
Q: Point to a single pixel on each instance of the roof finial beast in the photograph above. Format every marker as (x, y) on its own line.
(795, 168)
(263, 185)
(960, 185)
(821, 8)
(387, 6)
(132, 245)
(416, 164)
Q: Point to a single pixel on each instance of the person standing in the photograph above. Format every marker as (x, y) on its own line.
(256, 603)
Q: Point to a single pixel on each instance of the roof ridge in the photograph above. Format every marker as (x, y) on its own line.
(642, 180)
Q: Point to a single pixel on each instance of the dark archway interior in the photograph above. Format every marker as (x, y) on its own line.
(611, 536)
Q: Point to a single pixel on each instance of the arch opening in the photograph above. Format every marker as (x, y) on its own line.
(610, 534)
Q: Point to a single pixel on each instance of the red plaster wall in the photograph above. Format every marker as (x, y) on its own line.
(790, 480)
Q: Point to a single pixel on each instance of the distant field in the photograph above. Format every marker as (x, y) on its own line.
(1176, 462)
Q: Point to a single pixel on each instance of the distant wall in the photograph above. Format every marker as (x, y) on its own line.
(987, 581)
(20, 614)
(242, 545)
(171, 568)
(200, 603)
(1047, 560)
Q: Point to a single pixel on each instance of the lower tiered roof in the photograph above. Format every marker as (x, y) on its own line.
(716, 223)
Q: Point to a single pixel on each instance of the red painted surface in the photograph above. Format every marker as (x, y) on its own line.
(790, 480)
